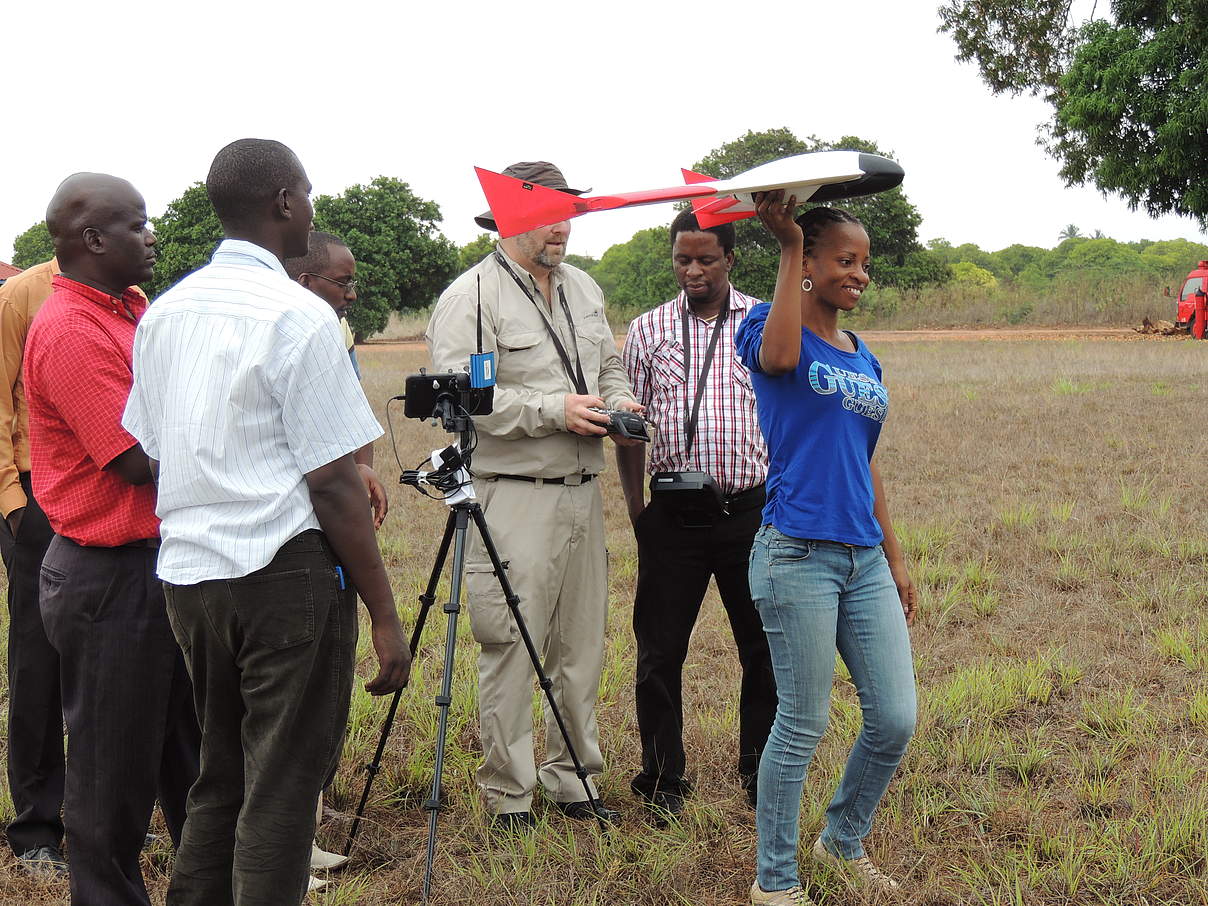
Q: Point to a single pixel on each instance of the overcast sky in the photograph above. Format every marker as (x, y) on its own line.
(620, 95)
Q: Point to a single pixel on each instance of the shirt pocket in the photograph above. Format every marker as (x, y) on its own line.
(590, 339)
(667, 365)
(521, 359)
(740, 376)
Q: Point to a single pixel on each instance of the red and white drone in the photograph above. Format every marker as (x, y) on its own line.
(520, 206)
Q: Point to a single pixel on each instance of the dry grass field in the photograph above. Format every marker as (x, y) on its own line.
(1053, 499)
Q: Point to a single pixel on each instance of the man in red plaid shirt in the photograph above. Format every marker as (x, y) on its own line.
(681, 363)
(127, 699)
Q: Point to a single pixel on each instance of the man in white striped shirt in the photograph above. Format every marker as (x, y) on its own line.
(681, 363)
(245, 396)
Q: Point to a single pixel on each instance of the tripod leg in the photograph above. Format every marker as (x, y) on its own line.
(445, 697)
(425, 601)
(546, 684)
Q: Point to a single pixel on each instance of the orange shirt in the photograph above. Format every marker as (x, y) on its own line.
(20, 298)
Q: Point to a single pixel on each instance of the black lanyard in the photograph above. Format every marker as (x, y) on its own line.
(718, 323)
(575, 374)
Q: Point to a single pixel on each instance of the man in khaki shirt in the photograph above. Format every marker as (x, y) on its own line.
(35, 712)
(535, 466)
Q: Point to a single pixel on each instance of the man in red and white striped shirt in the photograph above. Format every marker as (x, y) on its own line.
(681, 363)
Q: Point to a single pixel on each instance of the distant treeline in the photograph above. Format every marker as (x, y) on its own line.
(1082, 280)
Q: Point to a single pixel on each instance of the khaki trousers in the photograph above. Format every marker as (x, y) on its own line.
(552, 536)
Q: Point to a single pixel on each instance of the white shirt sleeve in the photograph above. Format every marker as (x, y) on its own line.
(324, 410)
(137, 419)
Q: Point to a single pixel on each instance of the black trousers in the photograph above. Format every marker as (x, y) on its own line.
(35, 708)
(674, 567)
(272, 657)
(131, 731)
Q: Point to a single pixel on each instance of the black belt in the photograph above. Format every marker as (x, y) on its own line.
(142, 542)
(569, 479)
(742, 501)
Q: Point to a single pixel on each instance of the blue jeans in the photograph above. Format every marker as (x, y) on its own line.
(814, 596)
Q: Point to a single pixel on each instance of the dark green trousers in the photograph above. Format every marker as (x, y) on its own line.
(271, 656)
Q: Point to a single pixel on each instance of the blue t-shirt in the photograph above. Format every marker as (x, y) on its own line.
(821, 423)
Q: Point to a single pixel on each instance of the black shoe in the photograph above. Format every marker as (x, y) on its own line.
(44, 862)
(513, 822)
(750, 786)
(586, 810)
(665, 806)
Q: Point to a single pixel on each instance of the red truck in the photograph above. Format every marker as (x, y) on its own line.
(1191, 303)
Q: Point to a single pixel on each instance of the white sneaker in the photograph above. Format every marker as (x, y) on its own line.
(862, 870)
(315, 884)
(794, 896)
(321, 860)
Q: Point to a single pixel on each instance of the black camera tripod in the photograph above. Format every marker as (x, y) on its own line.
(456, 533)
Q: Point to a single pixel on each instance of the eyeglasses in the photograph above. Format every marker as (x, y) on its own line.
(351, 285)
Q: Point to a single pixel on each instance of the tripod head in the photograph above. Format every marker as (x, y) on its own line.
(452, 399)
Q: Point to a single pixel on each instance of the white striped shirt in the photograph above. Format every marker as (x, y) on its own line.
(728, 443)
(241, 386)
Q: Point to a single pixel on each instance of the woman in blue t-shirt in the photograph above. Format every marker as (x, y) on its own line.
(827, 571)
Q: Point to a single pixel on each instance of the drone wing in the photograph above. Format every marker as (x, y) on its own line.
(520, 206)
(711, 212)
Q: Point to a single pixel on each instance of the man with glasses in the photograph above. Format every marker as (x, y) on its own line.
(329, 271)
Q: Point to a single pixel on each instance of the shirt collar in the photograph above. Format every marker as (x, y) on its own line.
(240, 251)
(738, 302)
(131, 303)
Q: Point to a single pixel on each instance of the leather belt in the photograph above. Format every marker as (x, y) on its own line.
(568, 480)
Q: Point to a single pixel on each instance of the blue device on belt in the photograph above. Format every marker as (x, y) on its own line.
(340, 576)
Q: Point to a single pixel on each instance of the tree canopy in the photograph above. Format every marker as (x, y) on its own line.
(185, 237)
(636, 275)
(33, 246)
(1129, 93)
(403, 261)
(474, 251)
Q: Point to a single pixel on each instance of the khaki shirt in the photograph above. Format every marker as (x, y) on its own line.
(20, 298)
(526, 433)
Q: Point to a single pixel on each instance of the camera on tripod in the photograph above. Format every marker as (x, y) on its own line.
(446, 396)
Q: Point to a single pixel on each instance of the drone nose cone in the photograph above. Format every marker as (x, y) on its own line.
(881, 172)
(880, 175)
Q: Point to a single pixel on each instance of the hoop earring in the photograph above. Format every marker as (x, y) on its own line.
(807, 285)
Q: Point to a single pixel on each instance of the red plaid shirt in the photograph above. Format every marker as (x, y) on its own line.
(78, 374)
(728, 443)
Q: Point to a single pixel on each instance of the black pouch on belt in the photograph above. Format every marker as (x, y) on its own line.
(692, 496)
